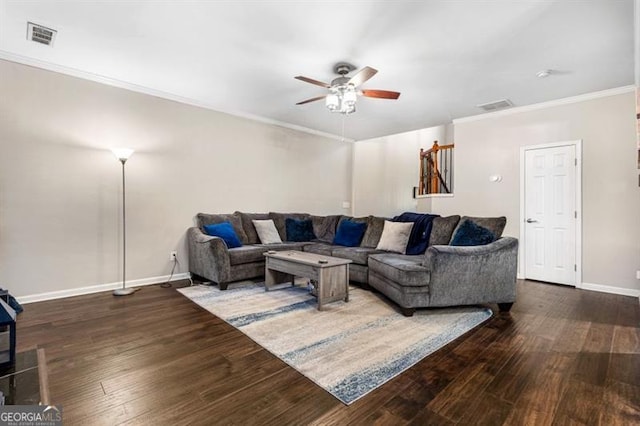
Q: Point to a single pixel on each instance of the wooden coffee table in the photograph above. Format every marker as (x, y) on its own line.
(331, 273)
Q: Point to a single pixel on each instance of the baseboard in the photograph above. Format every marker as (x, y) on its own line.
(98, 288)
(610, 289)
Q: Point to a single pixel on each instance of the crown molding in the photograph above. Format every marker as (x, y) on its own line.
(97, 78)
(548, 104)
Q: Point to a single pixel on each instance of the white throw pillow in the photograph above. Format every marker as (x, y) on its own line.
(267, 231)
(395, 236)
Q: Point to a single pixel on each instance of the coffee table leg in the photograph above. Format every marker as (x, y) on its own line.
(320, 289)
(346, 280)
(269, 279)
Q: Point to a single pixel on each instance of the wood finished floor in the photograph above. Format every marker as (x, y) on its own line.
(562, 356)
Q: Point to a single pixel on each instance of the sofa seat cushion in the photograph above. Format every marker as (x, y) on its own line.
(359, 255)
(319, 248)
(247, 254)
(400, 268)
(255, 253)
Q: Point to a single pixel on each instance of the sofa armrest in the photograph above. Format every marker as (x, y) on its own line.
(473, 274)
(208, 256)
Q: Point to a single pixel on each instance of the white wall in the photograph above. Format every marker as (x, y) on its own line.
(60, 184)
(611, 196)
(386, 169)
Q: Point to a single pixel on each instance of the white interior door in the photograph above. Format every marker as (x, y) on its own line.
(550, 214)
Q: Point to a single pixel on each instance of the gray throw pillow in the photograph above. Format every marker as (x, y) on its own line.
(267, 231)
(395, 236)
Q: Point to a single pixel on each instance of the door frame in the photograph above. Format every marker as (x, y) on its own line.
(522, 258)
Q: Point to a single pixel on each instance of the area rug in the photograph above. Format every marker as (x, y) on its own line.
(349, 349)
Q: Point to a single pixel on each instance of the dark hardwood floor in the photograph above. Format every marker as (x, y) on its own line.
(562, 356)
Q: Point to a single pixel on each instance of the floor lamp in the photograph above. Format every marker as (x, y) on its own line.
(123, 155)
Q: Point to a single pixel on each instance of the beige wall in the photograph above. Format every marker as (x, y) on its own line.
(386, 169)
(611, 196)
(60, 186)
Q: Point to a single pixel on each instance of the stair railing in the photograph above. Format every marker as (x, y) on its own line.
(436, 172)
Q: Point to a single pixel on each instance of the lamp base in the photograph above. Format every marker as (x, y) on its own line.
(123, 291)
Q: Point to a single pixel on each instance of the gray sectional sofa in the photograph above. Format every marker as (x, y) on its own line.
(443, 276)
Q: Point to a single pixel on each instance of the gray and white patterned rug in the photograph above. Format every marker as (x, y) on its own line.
(348, 349)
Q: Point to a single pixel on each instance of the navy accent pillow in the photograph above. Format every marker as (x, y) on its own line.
(299, 229)
(225, 231)
(470, 234)
(349, 234)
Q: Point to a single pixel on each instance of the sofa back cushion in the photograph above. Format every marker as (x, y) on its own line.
(375, 226)
(494, 224)
(324, 227)
(280, 218)
(442, 230)
(203, 219)
(247, 225)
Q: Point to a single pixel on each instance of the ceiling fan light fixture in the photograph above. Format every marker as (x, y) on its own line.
(349, 96)
(332, 102)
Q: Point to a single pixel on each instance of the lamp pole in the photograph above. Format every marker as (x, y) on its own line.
(123, 155)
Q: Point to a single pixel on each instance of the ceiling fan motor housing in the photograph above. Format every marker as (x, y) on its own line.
(343, 68)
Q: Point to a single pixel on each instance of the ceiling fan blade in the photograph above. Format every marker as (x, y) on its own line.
(317, 98)
(312, 81)
(384, 94)
(363, 75)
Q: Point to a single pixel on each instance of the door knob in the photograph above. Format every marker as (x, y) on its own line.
(531, 220)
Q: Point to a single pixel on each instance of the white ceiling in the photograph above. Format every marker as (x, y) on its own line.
(240, 57)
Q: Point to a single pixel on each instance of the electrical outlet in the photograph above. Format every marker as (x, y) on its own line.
(173, 255)
(638, 275)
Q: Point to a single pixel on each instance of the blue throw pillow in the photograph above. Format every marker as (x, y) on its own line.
(299, 229)
(349, 234)
(225, 231)
(470, 234)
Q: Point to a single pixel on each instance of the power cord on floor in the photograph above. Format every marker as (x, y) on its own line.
(167, 284)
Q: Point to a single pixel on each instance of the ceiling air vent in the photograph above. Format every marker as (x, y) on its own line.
(496, 105)
(40, 34)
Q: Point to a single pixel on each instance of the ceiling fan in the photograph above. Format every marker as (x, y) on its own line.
(343, 91)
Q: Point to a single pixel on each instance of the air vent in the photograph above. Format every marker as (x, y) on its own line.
(496, 105)
(40, 34)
